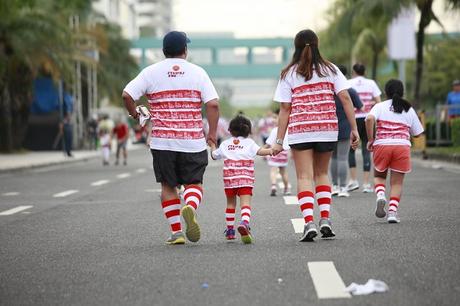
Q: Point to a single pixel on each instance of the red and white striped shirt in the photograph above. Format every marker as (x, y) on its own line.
(238, 154)
(367, 90)
(175, 90)
(313, 117)
(393, 128)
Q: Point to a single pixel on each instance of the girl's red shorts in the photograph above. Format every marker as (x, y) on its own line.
(232, 192)
(393, 157)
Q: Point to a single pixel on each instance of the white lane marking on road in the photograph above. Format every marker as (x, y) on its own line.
(298, 224)
(99, 183)
(14, 210)
(10, 194)
(152, 190)
(123, 175)
(141, 170)
(64, 193)
(280, 185)
(327, 281)
(291, 200)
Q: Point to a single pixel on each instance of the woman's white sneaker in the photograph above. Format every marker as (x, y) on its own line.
(393, 217)
(343, 193)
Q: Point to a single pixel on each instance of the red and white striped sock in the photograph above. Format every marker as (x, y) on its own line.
(193, 195)
(324, 199)
(393, 204)
(306, 202)
(380, 190)
(230, 217)
(246, 213)
(171, 209)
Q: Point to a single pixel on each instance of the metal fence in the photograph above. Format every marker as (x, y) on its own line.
(440, 134)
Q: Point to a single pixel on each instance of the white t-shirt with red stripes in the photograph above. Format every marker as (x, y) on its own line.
(282, 158)
(175, 90)
(238, 154)
(313, 117)
(393, 128)
(367, 90)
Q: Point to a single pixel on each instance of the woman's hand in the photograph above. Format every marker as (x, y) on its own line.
(354, 139)
(370, 145)
(277, 148)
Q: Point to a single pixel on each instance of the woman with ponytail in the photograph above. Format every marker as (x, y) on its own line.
(238, 153)
(396, 121)
(307, 109)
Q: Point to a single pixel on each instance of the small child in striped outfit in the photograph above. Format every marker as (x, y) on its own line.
(396, 121)
(238, 153)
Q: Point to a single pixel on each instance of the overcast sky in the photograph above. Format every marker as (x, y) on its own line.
(267, 18)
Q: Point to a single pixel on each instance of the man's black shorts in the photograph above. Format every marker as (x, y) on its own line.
(319, 147)
(179, 168)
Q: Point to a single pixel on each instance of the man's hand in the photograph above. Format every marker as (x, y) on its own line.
(211, 139)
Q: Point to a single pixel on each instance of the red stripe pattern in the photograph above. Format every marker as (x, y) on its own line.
(313, 109)
(171, 209)
(379, 190)
(324, 199)
(306, 202)
(230, 217)
(245, 213)
(368, 102)
(393, 204)
(238, 173)
(392, 130)
(193, 195)
(176, 114)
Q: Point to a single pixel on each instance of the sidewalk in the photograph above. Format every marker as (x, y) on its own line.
(34, 159)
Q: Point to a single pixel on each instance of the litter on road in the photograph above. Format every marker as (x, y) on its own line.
(372, 286)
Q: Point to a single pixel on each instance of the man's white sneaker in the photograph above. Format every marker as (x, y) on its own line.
(335, 190)
(367, 188)
(353, 185)
(343, 193)
(393, 217)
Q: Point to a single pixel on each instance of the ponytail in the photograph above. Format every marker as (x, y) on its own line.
(307, 57)
(394, 90)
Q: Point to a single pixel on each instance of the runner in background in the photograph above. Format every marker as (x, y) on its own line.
(369, 93)
(121, 131)
(339, 161)
(278, 163)
(265, 126)
(396, 121)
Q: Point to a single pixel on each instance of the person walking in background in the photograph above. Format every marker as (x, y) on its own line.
(238, 153)
(121, 131)
(453, 100)
(92, 129)
(175, 90)
(278, 163)
(265, 125)
(339, 161)
(67, 136)
(105, 137)
(305, 92)
(396, 122)
(369, 93)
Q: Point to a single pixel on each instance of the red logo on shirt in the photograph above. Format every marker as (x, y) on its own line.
(236, 141)
(176, 68)
(175, 72)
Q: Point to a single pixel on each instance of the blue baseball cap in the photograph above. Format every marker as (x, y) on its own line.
(175, 42)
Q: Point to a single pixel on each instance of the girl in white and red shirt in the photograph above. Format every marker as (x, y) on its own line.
(238, 153)
(396, 121)
(307, 109)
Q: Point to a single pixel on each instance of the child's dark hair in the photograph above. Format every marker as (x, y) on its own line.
(394, 89)
(240, 126)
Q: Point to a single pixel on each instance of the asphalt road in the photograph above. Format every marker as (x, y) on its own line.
(64, 241)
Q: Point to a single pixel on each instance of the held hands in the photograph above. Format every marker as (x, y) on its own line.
(354, 139)
(211, 140)
(277, 148)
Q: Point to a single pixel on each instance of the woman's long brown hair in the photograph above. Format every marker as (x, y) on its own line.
(307, 57)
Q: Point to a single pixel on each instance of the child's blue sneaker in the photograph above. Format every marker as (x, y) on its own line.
(230, 234)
